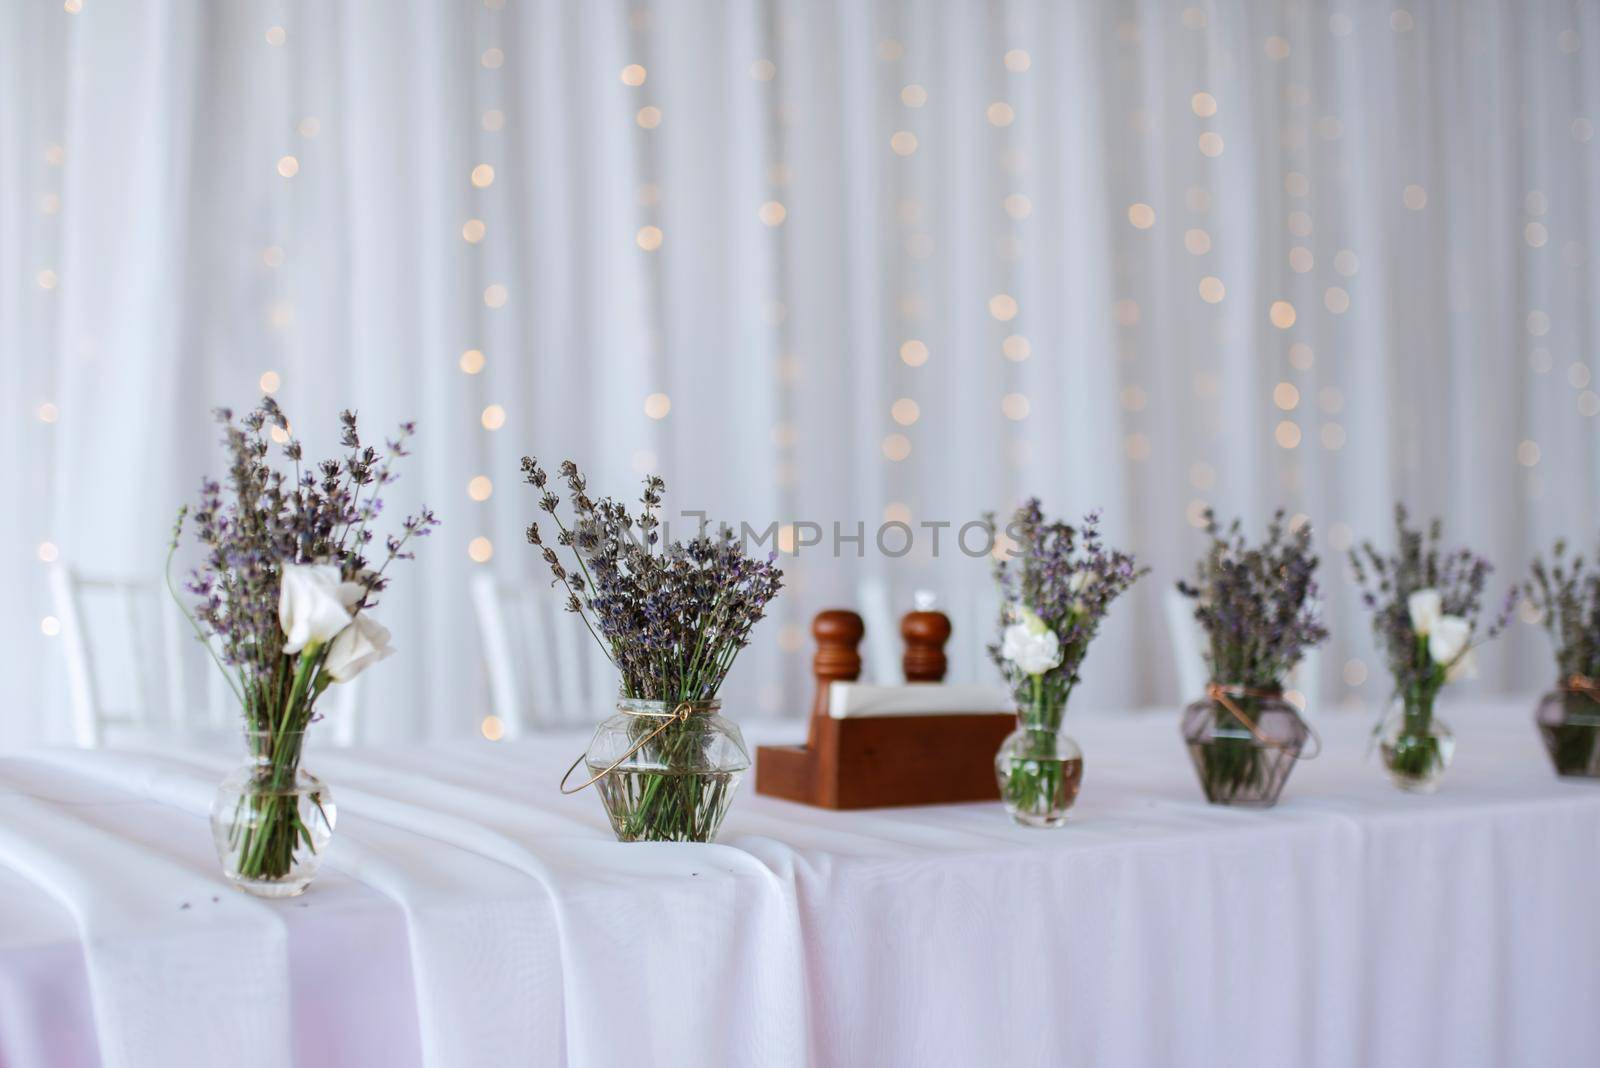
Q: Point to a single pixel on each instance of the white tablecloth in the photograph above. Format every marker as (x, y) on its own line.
(470, 915)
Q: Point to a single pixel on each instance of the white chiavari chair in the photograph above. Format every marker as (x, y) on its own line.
(545, 670)
(136, 670)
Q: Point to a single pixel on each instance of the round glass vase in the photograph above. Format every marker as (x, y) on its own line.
(667, 771)
(1238, 765)
(1569, 722)
(1039, 769)
(271, 819)
(1416, 746)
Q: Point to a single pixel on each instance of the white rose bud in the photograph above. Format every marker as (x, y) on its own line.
(360, 645)
(313, 605)
(1425, 606)
(1449, 639)
(1034, 654)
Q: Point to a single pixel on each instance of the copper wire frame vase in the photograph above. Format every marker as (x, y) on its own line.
(1244, 746)
(1569, 722)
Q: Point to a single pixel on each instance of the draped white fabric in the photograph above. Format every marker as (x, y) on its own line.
(468, 915)
(1122, 190)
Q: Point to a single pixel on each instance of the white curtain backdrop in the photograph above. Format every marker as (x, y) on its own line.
(879, 260)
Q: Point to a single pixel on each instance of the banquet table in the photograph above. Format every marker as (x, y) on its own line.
(469, 914)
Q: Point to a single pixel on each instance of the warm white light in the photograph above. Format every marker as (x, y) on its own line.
(1197, 241)
(288, 166)
(472, 231)
(1014, 406)
(48, 413)
(913, 353)
(763, 70)
(633, 74)
(483, 176)
(1212, 290)
(648, 117)
(495, 296)
(773, 213)
(1203, 105)
(276, 36)
(1528, 453)
(309, 127)
(1000, 114)
(1210, 144)
(1282, 314)
(1285, 396)
(492, 728)
(493, 418)
(480, 549)
(493, 58)
(1287, 434)
(479, 488)
(1142, 216)
(648, 238)
(913, 96)
(1017, 61)
(47, 279)
(1336, 300)
(270, 382)
(896, 447)
(1301, 356)
(471, 361)
(1018, 206)
(1415, 197)
(903, 143)
(1277, 48)
(272, 256)
(657, 405)
(1300, 259)
(904, 411)
(48, 553)
(1015, 348)
(493, 120)
(1003, 307)
(49, 626)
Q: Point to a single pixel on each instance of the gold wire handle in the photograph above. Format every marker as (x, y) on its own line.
(680, 714)
(1583, 684)
(1224, 696)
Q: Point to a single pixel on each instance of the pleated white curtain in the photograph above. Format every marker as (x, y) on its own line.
(815, 263)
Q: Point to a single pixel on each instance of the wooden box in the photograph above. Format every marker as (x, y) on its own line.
(877, 761)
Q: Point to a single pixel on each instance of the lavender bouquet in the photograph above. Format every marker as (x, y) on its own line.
(1425, 605)
(1259, 608)
(1055, 590)
(1566, 595)
(284, 606)
(672, 617)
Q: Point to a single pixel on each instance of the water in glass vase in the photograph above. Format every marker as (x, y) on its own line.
(657, 806)
(1416, 747)
(272, 820)
(1039, 772)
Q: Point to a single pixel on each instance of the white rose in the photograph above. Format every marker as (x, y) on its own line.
(360, 645)
(1425, 606)
(1034, 654)
(1449, 639)
(313, 605)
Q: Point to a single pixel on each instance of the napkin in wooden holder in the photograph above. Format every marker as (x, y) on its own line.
(872, 761)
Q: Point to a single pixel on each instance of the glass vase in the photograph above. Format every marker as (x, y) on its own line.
(1238, 765)
(667, 771)
(271, 819)
(1569, 722)
(1039, 769)
(1416, 746)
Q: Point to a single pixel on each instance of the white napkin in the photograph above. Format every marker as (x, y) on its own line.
(847, 700)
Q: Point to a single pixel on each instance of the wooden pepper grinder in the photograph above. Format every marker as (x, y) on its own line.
(925, 634)
(838, 632)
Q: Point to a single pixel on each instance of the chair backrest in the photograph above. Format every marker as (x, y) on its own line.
(545, 670)
(134, 664)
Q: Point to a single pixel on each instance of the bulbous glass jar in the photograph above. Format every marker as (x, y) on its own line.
(1569, 722)
(272, 820)
(1416, 746)
(1039, 769)
(1238, 765)
(667, 771)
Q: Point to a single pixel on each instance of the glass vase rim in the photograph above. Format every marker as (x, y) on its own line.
(1236, 689)
(708, 706)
